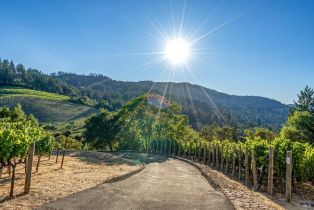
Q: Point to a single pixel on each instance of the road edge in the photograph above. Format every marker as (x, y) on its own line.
(206, 176)
(125, 176)
(214, 184)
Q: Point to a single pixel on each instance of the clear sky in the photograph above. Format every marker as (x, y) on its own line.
(263, 48)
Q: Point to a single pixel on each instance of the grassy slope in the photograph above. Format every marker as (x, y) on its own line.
(46, 107)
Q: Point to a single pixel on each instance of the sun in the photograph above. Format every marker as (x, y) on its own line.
(177, 51)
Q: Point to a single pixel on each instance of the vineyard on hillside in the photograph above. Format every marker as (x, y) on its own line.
(46, 107)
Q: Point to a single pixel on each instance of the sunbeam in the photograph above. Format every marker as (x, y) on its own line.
(223, 24)
(177, 50)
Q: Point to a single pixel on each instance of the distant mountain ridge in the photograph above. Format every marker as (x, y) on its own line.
(202, 105)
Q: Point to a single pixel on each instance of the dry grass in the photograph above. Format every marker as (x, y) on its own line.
(81, 170)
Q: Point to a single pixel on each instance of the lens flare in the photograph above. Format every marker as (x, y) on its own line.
(177, 51)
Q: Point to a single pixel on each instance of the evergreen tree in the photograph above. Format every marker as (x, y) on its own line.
(305, 101)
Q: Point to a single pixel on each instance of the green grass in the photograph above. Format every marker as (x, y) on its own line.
(46, 107)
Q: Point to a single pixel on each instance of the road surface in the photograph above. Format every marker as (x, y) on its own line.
(163, 184)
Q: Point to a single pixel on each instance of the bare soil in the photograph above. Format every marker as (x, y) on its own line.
(81, 170)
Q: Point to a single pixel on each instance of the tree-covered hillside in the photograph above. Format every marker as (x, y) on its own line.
(202, 105)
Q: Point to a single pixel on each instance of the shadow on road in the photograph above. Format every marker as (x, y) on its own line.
(117, 158)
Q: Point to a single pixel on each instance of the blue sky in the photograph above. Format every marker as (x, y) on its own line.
(263, 48)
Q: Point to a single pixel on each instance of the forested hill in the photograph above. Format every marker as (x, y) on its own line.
(202, 105)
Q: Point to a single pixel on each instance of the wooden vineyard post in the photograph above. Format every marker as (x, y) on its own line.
(217, 156)
(28, 177)
(214, 156)
(174, 149)
(169, 148)
(204, 155)
(246, 163)
(151, 147)
(234, 162)
(270, 171)
(62, 158)
(57, 156)
(222, 158)
(227, 159)
(165, 146)
(195, 151)
(160, 151)
(190, 151)
(288, 176)
(208, 159)
(179, 150)
(154, 147)
(254, 170)
(240, 157)
(158, 148)
(199, 152)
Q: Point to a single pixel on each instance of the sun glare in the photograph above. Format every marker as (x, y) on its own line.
(177, 51)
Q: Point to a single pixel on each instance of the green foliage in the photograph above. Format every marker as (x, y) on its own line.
(65, 142)
(15, 138)
(9, 91)
(46, 107)
(85, 100)
(305, 101)
(44, 145)
(32, 78)
(141, 121)
(17, 132)
(211, 132)
(261, 149)
(262, 133)
(299, 127)
(307, 164)
(152, 118)
(101, 130)
(302, 155)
